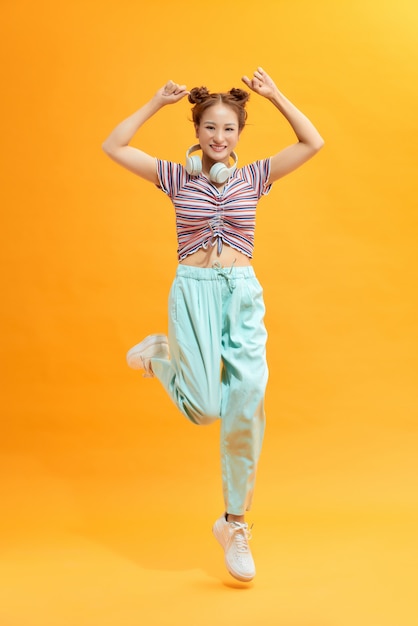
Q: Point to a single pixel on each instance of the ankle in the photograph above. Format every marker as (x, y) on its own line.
(235, 518)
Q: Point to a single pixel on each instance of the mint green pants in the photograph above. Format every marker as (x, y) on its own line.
(217, 367)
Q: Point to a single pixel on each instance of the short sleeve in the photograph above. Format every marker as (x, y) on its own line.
(170, 177)
(265, 176)
(258, 174)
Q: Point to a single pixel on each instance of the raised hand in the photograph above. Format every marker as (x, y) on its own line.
(261, 83)
(171, 92)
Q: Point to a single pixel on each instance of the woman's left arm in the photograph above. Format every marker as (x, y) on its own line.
(309, 139)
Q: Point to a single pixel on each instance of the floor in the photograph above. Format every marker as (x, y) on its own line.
(107, 524)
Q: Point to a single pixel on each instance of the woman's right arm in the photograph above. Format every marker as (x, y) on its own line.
(117, 144)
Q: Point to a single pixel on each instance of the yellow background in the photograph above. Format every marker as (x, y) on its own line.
(107, 494)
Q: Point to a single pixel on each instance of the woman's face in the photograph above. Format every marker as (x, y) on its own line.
(218, 132)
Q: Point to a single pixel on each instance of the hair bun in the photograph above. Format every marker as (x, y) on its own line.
(198, 95)
(239, 95)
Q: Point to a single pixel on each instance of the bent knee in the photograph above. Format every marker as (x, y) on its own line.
(206, 420)
(203, 416)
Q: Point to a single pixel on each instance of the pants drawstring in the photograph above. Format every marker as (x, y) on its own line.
(226, 273)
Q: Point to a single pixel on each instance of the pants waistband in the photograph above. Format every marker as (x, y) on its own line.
(212, 273)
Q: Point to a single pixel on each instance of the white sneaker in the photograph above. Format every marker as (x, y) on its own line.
(234, 537)
(138, 357)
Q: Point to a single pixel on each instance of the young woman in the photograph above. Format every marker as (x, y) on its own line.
(213, 362)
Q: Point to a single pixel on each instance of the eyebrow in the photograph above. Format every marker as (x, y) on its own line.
(226, 124)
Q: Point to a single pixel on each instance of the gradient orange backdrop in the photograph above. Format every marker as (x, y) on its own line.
(107, 493)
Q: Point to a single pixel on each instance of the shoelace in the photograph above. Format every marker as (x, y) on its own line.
(242, 535)
(147, 367)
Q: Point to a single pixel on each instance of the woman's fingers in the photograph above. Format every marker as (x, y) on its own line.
(172, 88)
(257, 81)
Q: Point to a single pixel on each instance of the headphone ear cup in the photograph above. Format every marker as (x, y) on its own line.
(193, 165)
(219, 173)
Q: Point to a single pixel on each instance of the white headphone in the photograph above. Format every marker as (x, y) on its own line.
(219, 172)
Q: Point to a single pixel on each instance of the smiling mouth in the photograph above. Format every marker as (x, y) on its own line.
(218, 148)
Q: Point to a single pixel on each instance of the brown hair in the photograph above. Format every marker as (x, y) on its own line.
(202, 100)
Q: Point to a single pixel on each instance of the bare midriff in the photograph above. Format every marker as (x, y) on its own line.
(206, 258)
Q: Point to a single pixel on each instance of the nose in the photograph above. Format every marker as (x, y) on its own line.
(218, 136)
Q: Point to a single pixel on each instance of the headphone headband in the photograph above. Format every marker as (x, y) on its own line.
(193, 149)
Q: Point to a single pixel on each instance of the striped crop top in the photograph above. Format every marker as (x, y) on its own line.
(207, 216)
